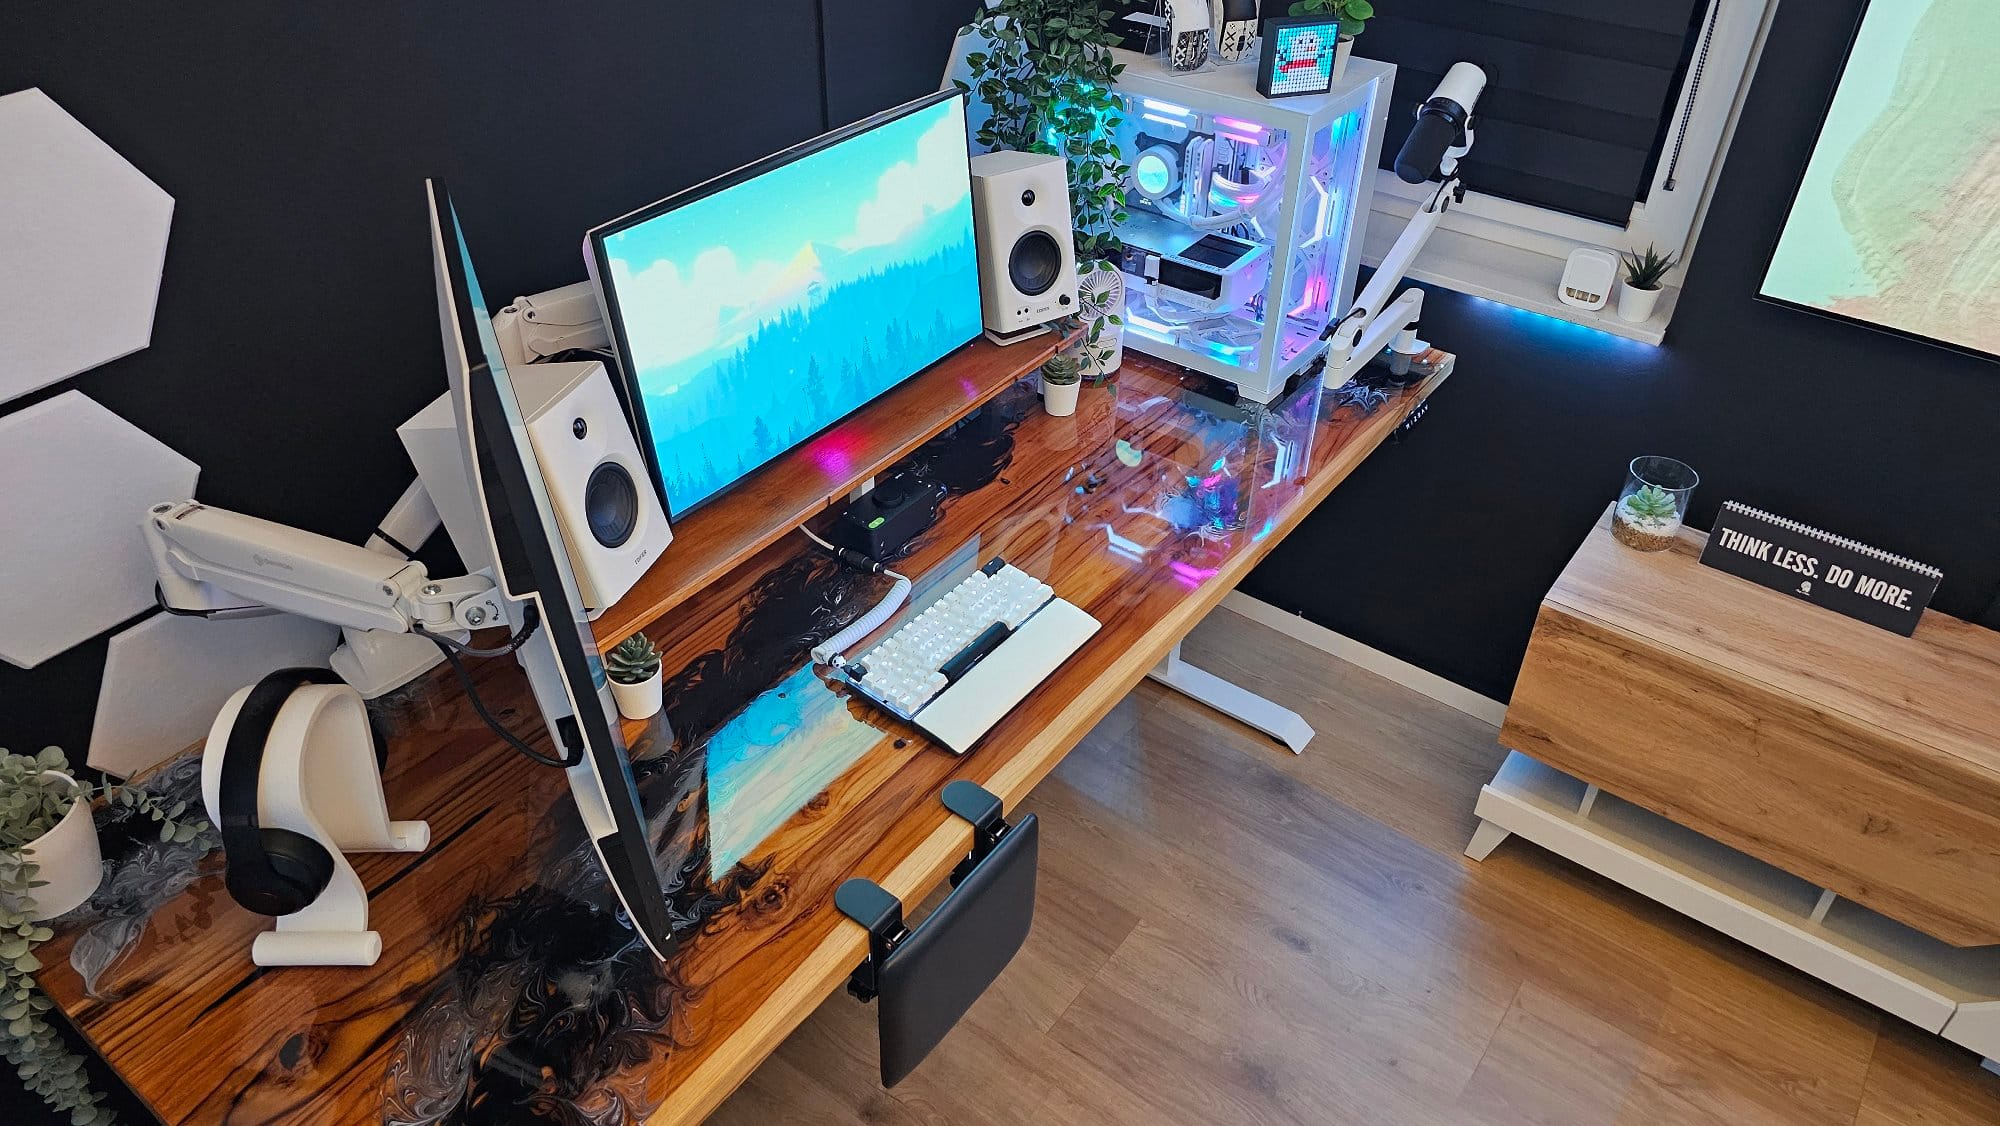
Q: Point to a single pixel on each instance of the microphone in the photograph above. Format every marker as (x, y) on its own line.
(1441, 124)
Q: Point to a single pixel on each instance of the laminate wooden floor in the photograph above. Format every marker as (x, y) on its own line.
(1228, 934)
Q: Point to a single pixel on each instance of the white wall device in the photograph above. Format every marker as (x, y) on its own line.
(1027, 259)
(1588, 279)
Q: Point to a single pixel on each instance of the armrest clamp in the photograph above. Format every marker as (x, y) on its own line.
(871, 905)
(976, 804)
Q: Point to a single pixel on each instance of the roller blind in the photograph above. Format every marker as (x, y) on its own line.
(1579, 93)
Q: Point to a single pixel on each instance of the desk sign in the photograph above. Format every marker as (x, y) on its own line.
(1826, 570)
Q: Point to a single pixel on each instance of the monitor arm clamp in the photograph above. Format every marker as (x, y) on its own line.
(1441, 138)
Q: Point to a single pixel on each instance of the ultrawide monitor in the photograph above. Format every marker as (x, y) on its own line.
(753, 311)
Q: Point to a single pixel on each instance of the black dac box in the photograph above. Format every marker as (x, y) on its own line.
(888, 516)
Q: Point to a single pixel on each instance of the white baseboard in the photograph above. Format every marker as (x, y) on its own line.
(1374, 660)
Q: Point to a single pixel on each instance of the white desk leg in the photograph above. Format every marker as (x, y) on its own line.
(1281, 723)
(1485, 839)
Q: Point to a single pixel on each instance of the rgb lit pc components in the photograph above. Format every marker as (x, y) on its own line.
(1156, 171)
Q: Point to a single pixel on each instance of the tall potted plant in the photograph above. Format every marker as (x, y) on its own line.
(49, 865)
(1046, 77)
(1353, 16)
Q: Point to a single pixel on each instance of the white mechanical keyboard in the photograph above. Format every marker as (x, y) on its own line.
(959, 666)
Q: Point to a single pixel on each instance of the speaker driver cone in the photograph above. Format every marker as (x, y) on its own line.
(1035, 264)
(611, 504)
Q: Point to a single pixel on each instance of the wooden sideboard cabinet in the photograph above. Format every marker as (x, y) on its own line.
(1820, 788)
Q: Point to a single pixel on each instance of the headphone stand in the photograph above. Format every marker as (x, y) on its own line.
(319, 778)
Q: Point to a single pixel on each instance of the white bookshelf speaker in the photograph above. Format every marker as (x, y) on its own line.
(1027, 258)
(610, 514)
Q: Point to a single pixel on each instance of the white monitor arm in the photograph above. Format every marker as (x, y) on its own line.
(212, 562)
(1441, 137)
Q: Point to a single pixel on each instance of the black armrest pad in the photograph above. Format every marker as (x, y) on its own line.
(934, 976)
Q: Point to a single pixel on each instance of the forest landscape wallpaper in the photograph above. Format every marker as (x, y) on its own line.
(757, 316)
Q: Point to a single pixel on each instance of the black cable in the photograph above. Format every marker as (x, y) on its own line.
(453, 649)
(395, 543)
(1694, 91)
(486, 717)
(529, 620)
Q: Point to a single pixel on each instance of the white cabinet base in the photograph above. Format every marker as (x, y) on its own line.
(1953, 991)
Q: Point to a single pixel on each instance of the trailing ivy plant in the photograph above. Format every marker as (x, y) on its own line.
(31, 803)
(1046, 77)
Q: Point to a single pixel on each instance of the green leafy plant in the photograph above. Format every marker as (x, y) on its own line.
(1353, 15)
(31, 803)
(1652, 505)
(1046, 79)
(635, 660)
(1061, 371)
(1648, 270)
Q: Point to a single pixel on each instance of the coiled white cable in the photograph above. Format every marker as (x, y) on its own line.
(833, 650)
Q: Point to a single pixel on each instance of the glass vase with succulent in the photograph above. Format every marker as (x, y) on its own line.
(40, 798)
(1654, 502)
(1046, 78)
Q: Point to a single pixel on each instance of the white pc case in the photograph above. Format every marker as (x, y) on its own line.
(1211, 156)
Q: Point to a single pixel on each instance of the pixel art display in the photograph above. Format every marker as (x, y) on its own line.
(757, 315)
(1298, 57)
(1897, 222)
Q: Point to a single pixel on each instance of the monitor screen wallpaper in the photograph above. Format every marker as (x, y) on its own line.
(1897, 222)
(756, 315)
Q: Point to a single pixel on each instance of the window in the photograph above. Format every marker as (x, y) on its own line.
(1602, 125)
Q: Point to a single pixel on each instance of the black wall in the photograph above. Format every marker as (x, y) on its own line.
(1438, 550)
(296, 325)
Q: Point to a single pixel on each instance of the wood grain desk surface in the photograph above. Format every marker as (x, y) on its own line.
(507, 985)
(1864, 761)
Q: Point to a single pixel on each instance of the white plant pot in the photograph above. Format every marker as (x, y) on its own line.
(638, 701)
(1342, 51)
(66, 858)
(1059, 399)
(1637, 305)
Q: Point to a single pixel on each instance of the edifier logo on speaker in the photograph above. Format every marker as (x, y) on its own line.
(267, 561)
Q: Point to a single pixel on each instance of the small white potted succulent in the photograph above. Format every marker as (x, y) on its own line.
(634, 669)
(1645, 279)
(1061, 377)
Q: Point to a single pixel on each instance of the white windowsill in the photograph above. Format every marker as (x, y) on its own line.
(1510, 275)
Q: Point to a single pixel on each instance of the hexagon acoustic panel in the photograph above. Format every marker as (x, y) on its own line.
(74, 481)
(85, 238)
(165, 678)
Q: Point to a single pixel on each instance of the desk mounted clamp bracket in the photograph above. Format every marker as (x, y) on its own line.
(926, 977)
(871, 905)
